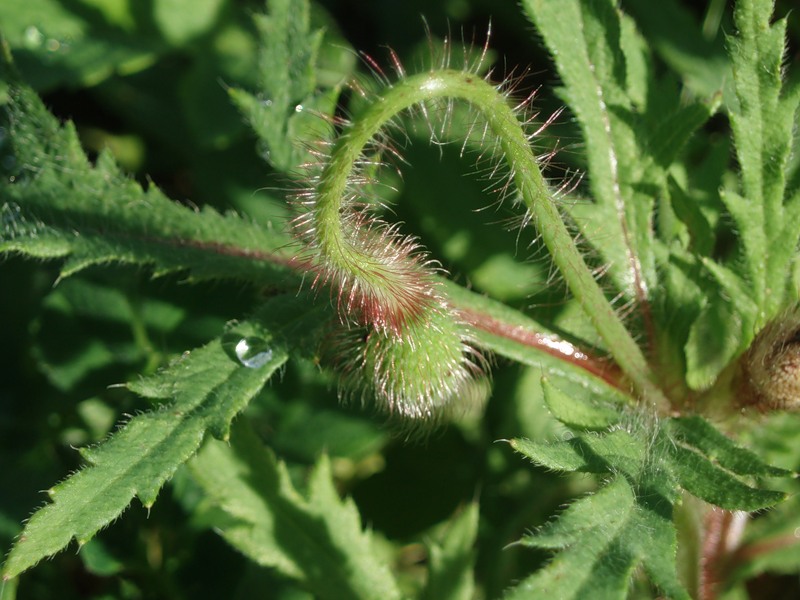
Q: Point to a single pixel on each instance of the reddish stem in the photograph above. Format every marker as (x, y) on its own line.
(723, 531)
(603, 368)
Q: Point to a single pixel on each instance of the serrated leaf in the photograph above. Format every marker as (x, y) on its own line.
(285, 114)
(700, 434)
(607, 535)
(701, 478)
(602, 543)
(206, 389)
(634, 126)
(591, 453)
(576, 412)
(452, 558)
(583, 39)
(317, 539)
(58, 205)
(763, 127)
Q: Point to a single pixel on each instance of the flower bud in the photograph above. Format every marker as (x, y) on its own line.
(771, 366)
(426, 373)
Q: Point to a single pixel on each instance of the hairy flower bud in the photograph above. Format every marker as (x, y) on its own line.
(423, 374)
(771, 367)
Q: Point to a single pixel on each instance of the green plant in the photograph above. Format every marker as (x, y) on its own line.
(676, 289)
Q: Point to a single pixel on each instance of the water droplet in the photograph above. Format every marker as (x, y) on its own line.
(53, 45)
(298, 108)
(253, 352)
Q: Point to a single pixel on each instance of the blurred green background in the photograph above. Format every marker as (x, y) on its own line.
(148, 79)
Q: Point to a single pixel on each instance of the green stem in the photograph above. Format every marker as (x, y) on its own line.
(493, 106)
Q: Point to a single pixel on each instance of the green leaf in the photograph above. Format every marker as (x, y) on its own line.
(701, 478)
(576, 412)
(317, 539)
(604, 537)
(62, 43)
(601, 541)
(286, 113)
(754, 286)
(452, 558)
(634, 125)
(583, 38)
(699, 433)
(58, 205)
(206, 388)
(715, 338)
(615, 451)
(72, 312)
(763, 128)
(514, 335)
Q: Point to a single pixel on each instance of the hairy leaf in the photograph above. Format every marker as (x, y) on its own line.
(603, 534)
(754, 285)
(602, 541)
(206, 388)
(58, 205)
(634, 128)
(317, 539)
(576, 412)
(583, 38)
(763, 126)
(288, 110)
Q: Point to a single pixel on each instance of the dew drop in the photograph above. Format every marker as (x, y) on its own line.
(298, 108)
(252, 352)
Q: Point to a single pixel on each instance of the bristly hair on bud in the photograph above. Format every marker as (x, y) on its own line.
(379, 277)
(431, 372)
(407, 347)
(398, 342)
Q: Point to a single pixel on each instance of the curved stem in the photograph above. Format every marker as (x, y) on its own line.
(502, 121)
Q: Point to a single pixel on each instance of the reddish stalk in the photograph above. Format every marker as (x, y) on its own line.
(604, 369)
(600, 367)
(723, 531)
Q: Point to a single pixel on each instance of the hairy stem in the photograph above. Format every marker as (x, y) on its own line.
(335, 245)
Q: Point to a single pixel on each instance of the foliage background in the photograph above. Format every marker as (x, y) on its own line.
(148, 80)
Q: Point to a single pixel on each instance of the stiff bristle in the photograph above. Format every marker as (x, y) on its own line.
(418, 376)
